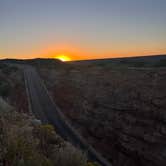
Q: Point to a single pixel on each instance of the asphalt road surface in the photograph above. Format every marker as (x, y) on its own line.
(45, 109)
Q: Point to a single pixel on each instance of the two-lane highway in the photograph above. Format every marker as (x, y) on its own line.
(45, 109)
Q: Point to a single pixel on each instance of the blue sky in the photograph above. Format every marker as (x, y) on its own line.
(86, 28)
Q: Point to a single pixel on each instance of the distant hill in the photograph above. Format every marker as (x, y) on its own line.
(28, 61)
(39, 62)
(139, 61)
(138, 58)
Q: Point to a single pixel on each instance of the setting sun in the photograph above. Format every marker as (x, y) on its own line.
(63, 57)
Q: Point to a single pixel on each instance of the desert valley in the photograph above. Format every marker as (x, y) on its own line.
(116, 105)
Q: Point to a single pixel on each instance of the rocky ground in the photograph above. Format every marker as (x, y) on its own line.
(119, 110)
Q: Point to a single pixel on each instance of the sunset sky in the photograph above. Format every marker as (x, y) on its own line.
(82, 29)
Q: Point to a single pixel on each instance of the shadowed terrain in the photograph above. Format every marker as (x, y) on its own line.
(118, 107)
(24, 140)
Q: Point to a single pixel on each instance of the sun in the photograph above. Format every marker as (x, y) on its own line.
(62, 57)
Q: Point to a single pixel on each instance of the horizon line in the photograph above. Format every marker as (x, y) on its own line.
(134, 56)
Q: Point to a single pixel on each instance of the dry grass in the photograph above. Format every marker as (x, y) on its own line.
(120, 111)
(22, 143)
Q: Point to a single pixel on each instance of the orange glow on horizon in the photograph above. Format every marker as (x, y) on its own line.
(63, 57)
(74, 52)
(66, 52)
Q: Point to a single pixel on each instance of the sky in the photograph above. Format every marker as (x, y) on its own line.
(82, 29)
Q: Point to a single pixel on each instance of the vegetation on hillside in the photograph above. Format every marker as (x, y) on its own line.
(119, 110)
(24, 143)
(12, 86)
(23, 140)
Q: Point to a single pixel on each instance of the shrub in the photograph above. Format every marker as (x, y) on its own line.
(7, 70)
(4, 89)
(22, 144)
(47, 137)
(17, 147)
(161, 63)
(20, 152)
(91, 164)
(69, 156)
(2, 65)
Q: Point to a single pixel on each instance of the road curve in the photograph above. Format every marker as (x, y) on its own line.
(45, 109)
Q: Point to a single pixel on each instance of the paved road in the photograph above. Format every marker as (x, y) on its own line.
(45, 109)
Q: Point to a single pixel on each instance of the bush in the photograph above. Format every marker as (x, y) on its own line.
(2, 65)
(17, 146)
(47, 138)
(91, 164)
(7, 70)
(4, 89)
(161, 63)
(20, 152)
(69, 156)
(22, 144)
